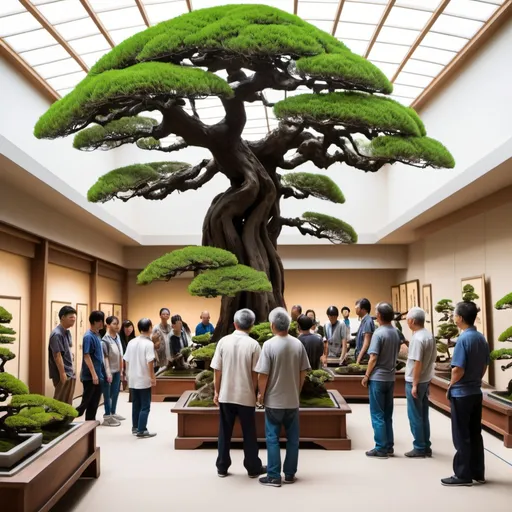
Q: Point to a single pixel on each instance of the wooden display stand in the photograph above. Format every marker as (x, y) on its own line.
(326, 427)
(495, 415)
(40, 485)
(349, 386)
(172, 387)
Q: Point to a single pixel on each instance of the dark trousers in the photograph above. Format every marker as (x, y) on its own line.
(141, 405)
(466, 413)
(246, 415)
(90, 400)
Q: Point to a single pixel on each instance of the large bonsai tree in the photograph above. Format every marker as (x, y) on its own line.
(236, 53)
(506, 335)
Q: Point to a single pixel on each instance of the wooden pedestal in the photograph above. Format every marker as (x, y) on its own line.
(495, 415)
(172, 387)
(349, 386)
(40, 485)
(326, 427)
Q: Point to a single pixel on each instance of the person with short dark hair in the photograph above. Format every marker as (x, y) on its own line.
(204, 326)
(380, 379)
(113, 356)
(126, 334)
(296, 312)
(345, 313)
(60, 359)
(336, 336)
(313, 343)
(469, 363)
(180, 336)
(311, 313)
(93, 368)
(365, 331)
(139, 358)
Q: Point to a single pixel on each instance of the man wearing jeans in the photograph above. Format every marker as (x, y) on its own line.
(139, 358)
(380, 378)
(235, 380)
(282, 368)
(418, 374)
(469, 363)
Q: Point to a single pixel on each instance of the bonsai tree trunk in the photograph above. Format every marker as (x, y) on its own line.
(238, 221)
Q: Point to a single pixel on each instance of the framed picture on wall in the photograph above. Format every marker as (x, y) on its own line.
(107, 308)
(426, 300)
(403, 297)
(54, 313)
(478, 283)
(13, 306)
(118, 311)
(413, 294)
(395, 298)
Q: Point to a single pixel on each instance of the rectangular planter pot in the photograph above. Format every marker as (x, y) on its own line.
(40, 484)
(31, 444)
(172, 387)
(349, 386)
(326, 427)
(496, 415)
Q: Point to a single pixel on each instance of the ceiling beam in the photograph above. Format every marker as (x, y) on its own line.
(20, 65)
(143, 12)
(295, 7)
(189, 5)
(493, 24)
(341, 3)
(435, 15)
(378, 28)
(94, 17)
(51, 29)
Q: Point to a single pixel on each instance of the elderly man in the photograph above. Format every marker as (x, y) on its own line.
(204, 326)
(380, 378)
(282, 369)
(469, 363)
(235, 380)
(418, 374)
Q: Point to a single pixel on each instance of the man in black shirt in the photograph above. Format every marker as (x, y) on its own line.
(312, 342)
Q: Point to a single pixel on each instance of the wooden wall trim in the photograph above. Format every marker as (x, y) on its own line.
(64, 259)
(124, 297)
(15, 245)
(93, 287)
(110, 271)
(38, 343)
(18, 233)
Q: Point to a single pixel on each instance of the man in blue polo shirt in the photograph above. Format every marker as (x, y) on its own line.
(469, 364)
(204, 326)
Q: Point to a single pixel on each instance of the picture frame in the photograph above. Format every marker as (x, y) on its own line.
(395, 298)
(426, 300)
(478, 283)
(13, 306)
(413, 294)
(107, 308)
(55, 307)
(118, 311)
(403, 297)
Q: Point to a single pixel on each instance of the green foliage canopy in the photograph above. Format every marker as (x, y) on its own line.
(502, 353)
(317, 185)
(12, 385)
(506, 335)
(505, 302)
(5, 316)
(334, 228)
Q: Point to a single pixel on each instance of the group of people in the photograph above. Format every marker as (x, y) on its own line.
(247, 376)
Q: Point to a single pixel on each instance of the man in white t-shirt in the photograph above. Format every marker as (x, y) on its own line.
(418, 374)
(236, 382)
(139, 358)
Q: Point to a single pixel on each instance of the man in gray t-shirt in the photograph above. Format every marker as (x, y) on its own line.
(418, 373)
(380, 379)
(282, 368)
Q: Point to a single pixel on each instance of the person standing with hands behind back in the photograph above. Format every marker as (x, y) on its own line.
(139, 358)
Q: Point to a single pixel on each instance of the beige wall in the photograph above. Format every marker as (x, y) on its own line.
(315, 289)
(478, 245)
(109, 290)
(15, 282)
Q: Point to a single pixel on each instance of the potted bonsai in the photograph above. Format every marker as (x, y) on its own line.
(447, 332)
(23, 417)
(504, 354)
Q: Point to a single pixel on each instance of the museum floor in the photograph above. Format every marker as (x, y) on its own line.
(149, 475)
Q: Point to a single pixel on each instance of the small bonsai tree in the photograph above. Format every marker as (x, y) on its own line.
(234, 54)
(447, 331)
(505, 336)
(24, 413)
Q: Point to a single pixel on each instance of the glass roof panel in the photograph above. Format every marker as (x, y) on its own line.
(162, 12)
(316, 10)
(77, 29)
(407, 18)
(357, 46)
(65, 81)
(10, 7)
(388, 52)
(17, 24)
(30, 40)
(410, 79)
(431, 55)
(456, 26)
(354, 31)
(121, 18)
(61, 67)
(428, 5)
(444, 42)
(65, 10)
(89, 44)
(426, 68)
(91, 58)
(389, 69)
(397, 35)
(325, 25)
(108, 5)
(407, 91)
(120, 35)
(471, 9)
(364, 13)
(44, 55)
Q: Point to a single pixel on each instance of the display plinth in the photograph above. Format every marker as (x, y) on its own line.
(326, 427)
(349, 386)
(172, 387)
(41, 484)
(495, 415)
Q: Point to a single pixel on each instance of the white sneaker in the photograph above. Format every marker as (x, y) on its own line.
(118, 417)
(110, 421)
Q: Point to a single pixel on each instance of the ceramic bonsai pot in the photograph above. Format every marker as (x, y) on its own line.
(31, 443)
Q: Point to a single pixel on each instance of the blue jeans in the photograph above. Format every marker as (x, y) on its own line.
(381, 411)
(417, 411)
(141, 405)
(274, 420)
(111, 393)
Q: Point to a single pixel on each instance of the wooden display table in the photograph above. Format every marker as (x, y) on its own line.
(349, 386)
(495, 415)
(326, 427)
(172, 387)
(41, 484)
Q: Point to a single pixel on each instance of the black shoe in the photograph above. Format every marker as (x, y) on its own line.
(262, 471)
(391, 452)
(135, 431)
(376, 454)
(145, 435)
(289, 479)
(480, 481)
(428, 452)
(271, 482)
(415, 454)
(453, 481)
(221, 474)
